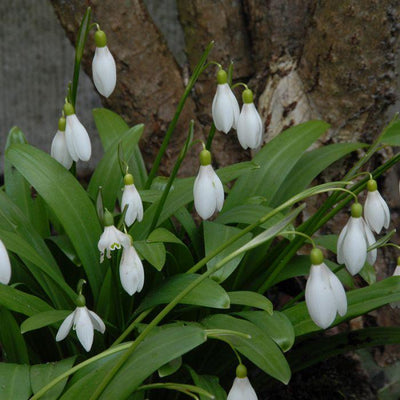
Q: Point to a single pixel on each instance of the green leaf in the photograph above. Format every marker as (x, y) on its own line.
(170, 367)
(309, 166)
(214, 236)
(154, 253)
(14, 382)
(233, 171)
(276, 325)
(251, 299)
(276, 159)
(166, 344)
(259, 349)
(209, 383)
(108, 174)
(70, 203)
(23, 303)
(163, 235)
(186, 220)
(368, 273)
(42, 319)
(206, 294)
(392, 134)
(360, 301)
(12, 343)
(42, 374)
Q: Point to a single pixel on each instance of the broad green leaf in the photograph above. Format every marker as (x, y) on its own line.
(392, 134)
(65, 245)
(188, 224)
(368, 273)
(214, 236)
(42, 319)
(251, 299)
(206, 294)
(259, 349)
(276, 325)
(170, 367)
(23, 303)
(154, 253)
(12, 343)
(14, 382)
(42, 374)
(108, 173)
(311, 164)
(329, 242)
(233, 171)
(163, 235)
(246, 214)
(276, 159)
(69, 202)
(209, 383)
(360, 301)
(166, 344)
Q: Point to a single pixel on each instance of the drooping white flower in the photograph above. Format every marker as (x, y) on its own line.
(131, 271)
(325, 295)
(5, 265)
(376, 211)
(208, 192)
(354, 241)
(131, 198)
(396, 272)
(111, 238)
(59, 150)
(225, 108)
(103, 66)
(241, 388)
(249, 126)
(83, 321)
(76, 136)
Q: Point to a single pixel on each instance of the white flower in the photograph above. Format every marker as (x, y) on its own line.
(5, 265)
(131, 198)
(76, 136)
(59, 150)
(396, 272)
(325, 296)
(84, 322)
(111, 239)
(249, 126)
(131, 271)
(104, 71)
(376, 211)
(354, 241)
(225, 108)
(208, 191)
(242, 390)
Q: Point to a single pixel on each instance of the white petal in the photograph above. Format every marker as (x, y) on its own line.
(370, 238)
(204, 192)
(59, 150)
(222, 108)
(242, 390)
(338, 291)
(396, 271)
(354, 246)
(340, 258)
(218, 189)
(104, 71)
(78, 141)
(376, 211)
(132, 199)
(235, 108)
(249, 127)
(112, 239)
(65, 327)
(5, 265)
(131, 271)
(84, 327)
(97, 322)
(320, 301)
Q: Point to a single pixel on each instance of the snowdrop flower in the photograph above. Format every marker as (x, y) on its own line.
(249, 126)
(354, 241)
(376, 211)
(241, 388)
(76, 136)
(103, 66)
(83, 321)
(131, 271)
(225, 108)
(325, 295)
(59, 150)
(5, 265)
(396, 272)
(131, 198)
(111, 238)
(208, 192)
